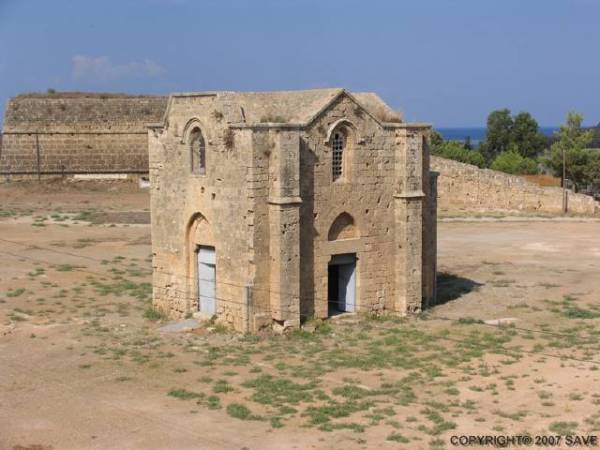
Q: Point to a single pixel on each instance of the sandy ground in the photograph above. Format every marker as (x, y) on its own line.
(82, 368)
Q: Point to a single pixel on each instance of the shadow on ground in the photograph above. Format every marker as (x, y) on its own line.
(450, 287)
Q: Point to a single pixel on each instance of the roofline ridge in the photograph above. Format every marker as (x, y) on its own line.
(342, 92)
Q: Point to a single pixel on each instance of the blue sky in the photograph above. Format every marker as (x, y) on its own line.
(448, 62)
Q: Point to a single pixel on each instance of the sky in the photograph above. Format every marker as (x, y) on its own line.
(445, 62)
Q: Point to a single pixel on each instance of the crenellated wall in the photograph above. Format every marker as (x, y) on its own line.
(463, 187)
(77, 133)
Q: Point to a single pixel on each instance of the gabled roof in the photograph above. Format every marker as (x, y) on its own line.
(294, 107)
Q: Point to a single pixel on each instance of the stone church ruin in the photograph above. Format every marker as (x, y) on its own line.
(284, 206)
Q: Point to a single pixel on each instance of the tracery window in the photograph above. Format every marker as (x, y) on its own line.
(198, 152)
(338, 145)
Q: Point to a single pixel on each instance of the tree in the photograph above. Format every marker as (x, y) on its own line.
(511, 161)
(435, 140)
(498, 133)
(468, 144)
(592, 171)
(505, 132)
(572, 140)
(526, 135)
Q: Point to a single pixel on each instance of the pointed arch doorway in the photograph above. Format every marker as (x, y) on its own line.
(202, 266)
(206, 272)
(341, 290)
(341, 270)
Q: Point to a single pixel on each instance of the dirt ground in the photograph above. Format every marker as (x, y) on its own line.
(83, 364)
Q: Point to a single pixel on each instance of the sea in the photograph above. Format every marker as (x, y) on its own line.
(477, 134)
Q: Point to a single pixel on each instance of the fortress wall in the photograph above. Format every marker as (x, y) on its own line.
(78, 133)
(463, 187)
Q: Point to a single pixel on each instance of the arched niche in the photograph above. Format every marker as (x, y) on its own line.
(199, 231)
(343, 227)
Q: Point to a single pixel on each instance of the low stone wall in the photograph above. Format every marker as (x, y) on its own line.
(463, 187)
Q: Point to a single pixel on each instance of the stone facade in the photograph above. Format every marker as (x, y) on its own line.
(267, 204)
(463, 187)
(77, 133)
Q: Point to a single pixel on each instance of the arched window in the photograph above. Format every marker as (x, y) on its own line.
(341, 139)
(338, 145)
(198, 152)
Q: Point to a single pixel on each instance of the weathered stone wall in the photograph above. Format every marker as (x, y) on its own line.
(74, 153)
(429, 230)
(77, 133)
(463, 187)
(219, 201)
(375, 164)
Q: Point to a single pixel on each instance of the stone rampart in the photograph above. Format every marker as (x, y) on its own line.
(463, 187)
(69, 133)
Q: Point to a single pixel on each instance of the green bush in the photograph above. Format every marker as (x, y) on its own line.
(183, 394)
(154, 314)
(238, 411)
(457, 152)
(512, 162)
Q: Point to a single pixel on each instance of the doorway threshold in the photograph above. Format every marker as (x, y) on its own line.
(341, 315)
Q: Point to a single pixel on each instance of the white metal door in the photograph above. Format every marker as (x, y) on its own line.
(347, 287)
(206, 280)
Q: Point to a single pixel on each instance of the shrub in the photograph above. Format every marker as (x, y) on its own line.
(397, 437)
(456, 151)
(153, 314)
(238, 411)
(183, 394)
(15, 293)
(563, 428)
(221, 386)
(512, 162)
(579, 313)
(241, 412)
